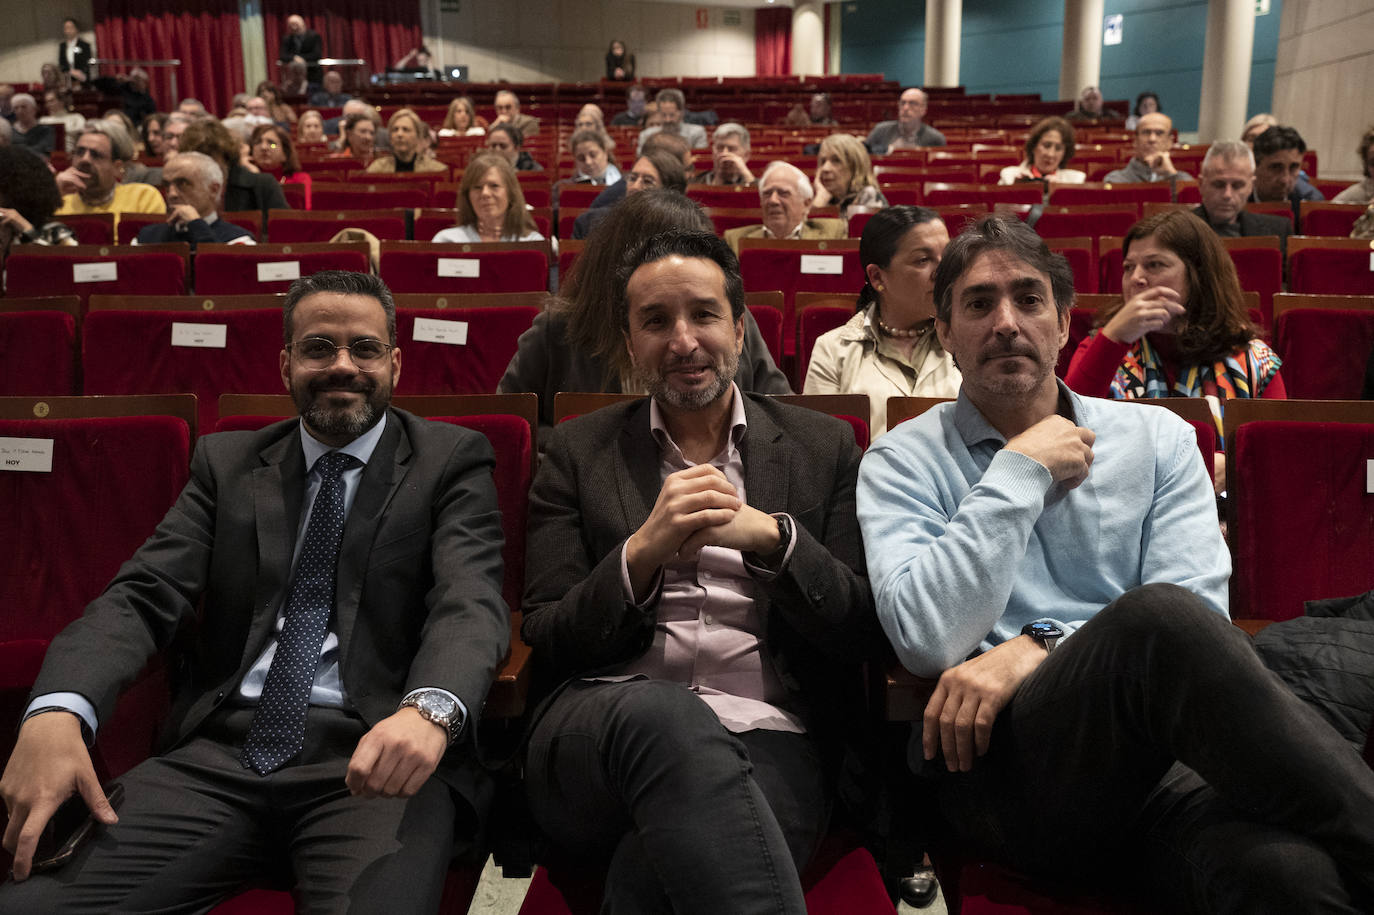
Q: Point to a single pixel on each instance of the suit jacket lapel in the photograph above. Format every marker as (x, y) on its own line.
(767, 461)
(637, 477)
(278, 493)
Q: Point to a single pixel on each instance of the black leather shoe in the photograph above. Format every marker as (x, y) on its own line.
(919, 890)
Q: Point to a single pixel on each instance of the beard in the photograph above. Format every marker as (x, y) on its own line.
(311, 399)
(655, 381)
(998, 382)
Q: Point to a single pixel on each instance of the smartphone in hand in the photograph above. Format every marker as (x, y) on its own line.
(70, 828)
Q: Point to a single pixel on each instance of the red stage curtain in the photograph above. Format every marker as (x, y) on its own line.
(380, 33)
(773, 42)
(202, 34)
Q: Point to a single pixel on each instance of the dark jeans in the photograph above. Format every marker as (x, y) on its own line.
(196, 826)
(1074, 781)
(689, 818)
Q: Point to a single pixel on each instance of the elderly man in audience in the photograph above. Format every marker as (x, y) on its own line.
(729, 156)
(1089, 107)
(301, 44)
(508, 112)
(1228, 177)
(672, 105)
(696, 583)
(28, 132)
(194, 184)
(636, 98)
(1055, 561)
(331, 94)
(1278, 169)
(785, 194)
(92, 183)
(1154, 137)
(909, 131)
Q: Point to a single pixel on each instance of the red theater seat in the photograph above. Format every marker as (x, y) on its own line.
(88, 270)
(378, 196)
(1330, 266)
(460, 350)
(483, 267)
(245, 269)
(1324, 342)
(800, 266)
(295, 226)
(38, 346)
(1087, 219)
(1329, 219)
(1114, 194)
(953, 194)
(1081, 254)
(98, 228)
(817, 313)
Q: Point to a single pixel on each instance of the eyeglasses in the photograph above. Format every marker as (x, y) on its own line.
(319, 353)
(95, 154)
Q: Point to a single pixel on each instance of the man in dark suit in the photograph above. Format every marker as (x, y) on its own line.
(194, 182)
(1228, 177)
(74, 54)
(335, 584)
(696, 580)
(303, 44)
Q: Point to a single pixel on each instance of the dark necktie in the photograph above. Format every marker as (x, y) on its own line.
(277, 732)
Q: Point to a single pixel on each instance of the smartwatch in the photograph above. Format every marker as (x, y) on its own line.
(1047, 634)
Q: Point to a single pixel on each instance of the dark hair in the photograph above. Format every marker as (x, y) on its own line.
(585, 299)
(353, 120)
(517, 136)
(882, 237)
(1142, 97)
(206, 135)
(157, 117)
(672, 95)
(1039, 130)
(73, 22)
(636, 87)
(344, 282)
(26, 185)
(671, 174)
(1217, 323)
(669, 142)
(1366, 142)
(1277, 139)
(682, 243)
(290, 164)
(610, 48)
(993, 233)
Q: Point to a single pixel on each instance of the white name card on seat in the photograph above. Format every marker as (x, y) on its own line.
(30, 455)
(434, 330)
(467, 267)
(95, 273)
(210, 336)
(832, 264)
(1369, 476)
(275, 271)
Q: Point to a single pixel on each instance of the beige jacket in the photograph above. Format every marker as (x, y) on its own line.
(811, 228)
(423, 163)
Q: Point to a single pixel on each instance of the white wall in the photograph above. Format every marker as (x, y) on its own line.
(31, 31)
(539, 40)
(1322, 78)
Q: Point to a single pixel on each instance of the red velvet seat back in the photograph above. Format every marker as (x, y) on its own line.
(1331, 271)
(767, 268)
(811, 323)
(1080, 325)
(1102, 193)
(499, 271)
(131, 352)
(1332, 220)
(769, 320)
(473, 367)
(1304, 523)
(236, 272)
(1259, 270)
(37, 353)
(1324, 352)
(1069, 221)
(138, 273)
(97, 228)
(292, 226)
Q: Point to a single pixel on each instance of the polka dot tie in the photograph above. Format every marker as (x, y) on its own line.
(277, 732)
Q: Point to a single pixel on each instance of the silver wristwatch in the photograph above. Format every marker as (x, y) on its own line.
(439, 707)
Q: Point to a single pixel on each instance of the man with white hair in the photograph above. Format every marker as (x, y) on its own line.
(92, 183)
(909, 130)
(786, 194)
(729, 156)
(28, 133)
(331, 94)
(302, 44)
(1089, 107)
(1228, 177)
(194, 184)
(508, 112)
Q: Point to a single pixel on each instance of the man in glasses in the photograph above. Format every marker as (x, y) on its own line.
(335, 583)
(103, 151)
(194, 182)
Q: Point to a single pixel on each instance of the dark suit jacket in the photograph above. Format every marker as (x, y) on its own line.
(245, 190)
(597, 484)
(83, 56)
(310, 48)
(418, 588)
(1252, 224)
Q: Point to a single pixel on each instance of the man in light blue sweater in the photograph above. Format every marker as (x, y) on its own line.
(1055, 561)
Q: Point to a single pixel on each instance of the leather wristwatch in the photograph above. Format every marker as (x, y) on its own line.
(439, 707)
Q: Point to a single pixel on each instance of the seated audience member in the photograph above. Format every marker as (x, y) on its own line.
(193, 108)
(418, 62)
(1089, 107)
(462, 120)
(620, 64)
(244, 189)
(1278, 170)
(359, 132)
(310, 127)
(74, 54)
(1363, 192)
(117, 114)
(28, 132)
(277, 109)
(152, 134)
(672, 144)
(274, 154)
(844, 176)
(1035, 549)
(1145, 103)
(172, 130)
(591, 150)
(57, 107)
(889, 348)
(194, 182)
(816, 114)
(694, 748)
(353, 685)
(657, 168)
(508, 113)
(636, 98)
(1154, 137)
(590, 117)
(28, 199)
(786, 196)
(302, 44)
(908, 131)
(491, 206)
(1256, 126)
(330, 94)
(729, 156)
(49, 77)
(132, 89)
(409, 147)
(295, 84)
(256, 112)
(93, 182)
(672, 104)
(576, 345)
(1049, 148)
(508, 141)
(1228, 177)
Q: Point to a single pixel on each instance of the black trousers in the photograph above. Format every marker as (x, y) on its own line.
(1153, 740)
(689, 818)
(195, 827)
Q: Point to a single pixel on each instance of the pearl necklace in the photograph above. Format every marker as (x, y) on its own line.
(906, 334)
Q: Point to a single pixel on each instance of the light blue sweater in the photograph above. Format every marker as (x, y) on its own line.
(967, 542)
